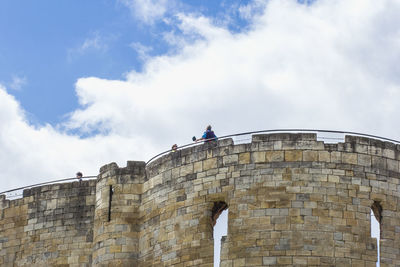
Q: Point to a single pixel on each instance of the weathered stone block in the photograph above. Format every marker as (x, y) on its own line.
(309, 155)
(274, 156)
(209, 164)
(230, 159)
(349, 158)
(293, 155)
(269, 260)
(364, 160)
(336, 157)
(244, 158)
(258, 157)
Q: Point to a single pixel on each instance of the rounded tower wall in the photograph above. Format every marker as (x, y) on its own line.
(292, 200)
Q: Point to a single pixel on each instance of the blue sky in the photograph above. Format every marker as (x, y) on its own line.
(53, 34)
(85, 83)
(47, 46)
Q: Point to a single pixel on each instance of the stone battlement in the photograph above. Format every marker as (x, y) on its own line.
(293, 201)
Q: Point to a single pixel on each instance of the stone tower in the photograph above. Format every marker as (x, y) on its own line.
(293, 201)
(116, 219)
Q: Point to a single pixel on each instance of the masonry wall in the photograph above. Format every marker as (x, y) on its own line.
(116, 223)
(50, 226)
(293, 201)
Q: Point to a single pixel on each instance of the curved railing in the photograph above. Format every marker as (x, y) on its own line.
(284, 131)
(225, 137)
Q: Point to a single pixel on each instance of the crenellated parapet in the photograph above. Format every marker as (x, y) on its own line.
(293, 201)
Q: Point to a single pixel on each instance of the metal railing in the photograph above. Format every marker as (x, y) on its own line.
(225, 137)
(46, 183)
(284, 131)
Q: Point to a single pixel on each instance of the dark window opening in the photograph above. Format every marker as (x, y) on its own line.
(109, 202)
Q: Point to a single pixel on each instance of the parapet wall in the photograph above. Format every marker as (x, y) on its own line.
(293, 201)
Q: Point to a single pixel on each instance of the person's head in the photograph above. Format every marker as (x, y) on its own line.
(208, 128)
(79, 175)
(174, 147)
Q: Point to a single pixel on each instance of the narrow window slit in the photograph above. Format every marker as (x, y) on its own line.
(109, 202)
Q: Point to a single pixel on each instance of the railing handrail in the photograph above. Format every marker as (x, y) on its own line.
(46, 183)
(221, 137)
(281, 130)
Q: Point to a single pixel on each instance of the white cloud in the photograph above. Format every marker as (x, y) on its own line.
(96, 42)
(17, 82)
(251, 9)
(148, 11)
(142, 50)
(298, 66)
(31, 154)
(330, 65)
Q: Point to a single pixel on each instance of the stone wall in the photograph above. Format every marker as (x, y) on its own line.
(50, 226)
(293, 201)
(116, 224)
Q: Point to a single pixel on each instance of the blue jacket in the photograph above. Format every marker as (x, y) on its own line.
(208, 135)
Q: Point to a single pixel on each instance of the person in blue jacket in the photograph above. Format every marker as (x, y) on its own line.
(208, 135)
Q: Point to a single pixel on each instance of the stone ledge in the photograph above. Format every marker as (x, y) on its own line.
(284, 137)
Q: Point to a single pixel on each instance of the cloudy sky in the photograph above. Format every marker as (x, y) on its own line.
(85, 83)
